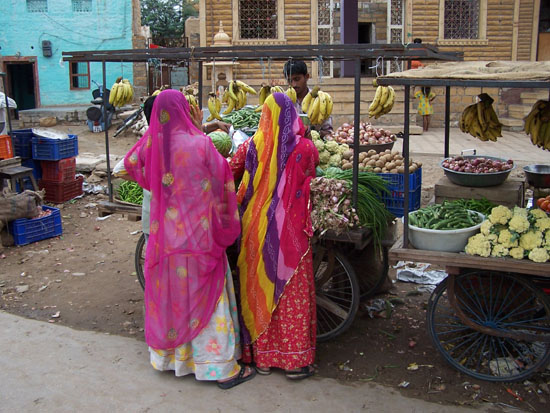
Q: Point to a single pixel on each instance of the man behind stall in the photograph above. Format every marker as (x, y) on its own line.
(295, 71)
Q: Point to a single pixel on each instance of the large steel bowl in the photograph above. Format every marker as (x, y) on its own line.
(538, 175)
(480, 179)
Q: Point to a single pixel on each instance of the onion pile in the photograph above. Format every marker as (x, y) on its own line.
(477, 165)
(368, 134)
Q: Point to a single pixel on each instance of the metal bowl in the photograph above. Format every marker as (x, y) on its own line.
(381, 147)
(538, 175)
(477, 180)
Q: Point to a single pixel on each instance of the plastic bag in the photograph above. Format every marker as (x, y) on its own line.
(119, 171)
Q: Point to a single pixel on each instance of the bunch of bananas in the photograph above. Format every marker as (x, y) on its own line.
(480, 120)
(214, 106)
(318, 106)
(189, 94)
(265, 91)
(382, 102)
(291, 93)
(121, 93)
(537, 124)
(235, 95)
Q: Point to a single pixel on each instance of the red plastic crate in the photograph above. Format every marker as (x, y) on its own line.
(6, 147)
(59, 171)
(59, 192)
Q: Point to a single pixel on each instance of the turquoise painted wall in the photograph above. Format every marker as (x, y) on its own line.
(108, 26)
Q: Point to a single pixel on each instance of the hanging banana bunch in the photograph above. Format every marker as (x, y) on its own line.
(318, 106)
(480, 120)
(189, 94)
(291, 93)
(235, 95)
(214, 106)
(382, 102)
(121, 92)
(537, 124)
(265, 91)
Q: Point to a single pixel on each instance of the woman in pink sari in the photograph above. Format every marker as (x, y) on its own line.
(275, 260)
(191, 322)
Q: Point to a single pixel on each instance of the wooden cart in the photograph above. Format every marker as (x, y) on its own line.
(490, 318)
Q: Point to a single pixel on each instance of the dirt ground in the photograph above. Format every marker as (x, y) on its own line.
(86, 280)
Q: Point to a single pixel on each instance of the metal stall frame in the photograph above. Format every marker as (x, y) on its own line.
(447, 83)
(355, 52)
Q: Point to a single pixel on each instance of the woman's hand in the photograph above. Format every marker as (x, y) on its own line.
(196, 116)
(212, 126)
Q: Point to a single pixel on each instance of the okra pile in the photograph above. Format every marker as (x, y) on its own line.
(445, 216)
(131, 192)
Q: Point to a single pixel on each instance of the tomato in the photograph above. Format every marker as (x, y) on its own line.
(545, 205)
(540, 201)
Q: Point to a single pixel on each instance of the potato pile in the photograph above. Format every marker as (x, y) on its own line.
(383, 162)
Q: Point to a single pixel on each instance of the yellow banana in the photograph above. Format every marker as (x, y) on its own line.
(313, 112)
(277, 89)
(242, 98)
(391, 98)
(306, 102)
(376, 99)
(329, 104)
(230, 106)
(218, 104)
(232, 90)
(291, 93)
(259, 108)
(247, 88)
(384, 96)
(265, 91)
(112, 93)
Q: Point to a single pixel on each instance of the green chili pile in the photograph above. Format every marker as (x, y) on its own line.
(482, 205)
(131, 192)
(243, 118)
(445, 216)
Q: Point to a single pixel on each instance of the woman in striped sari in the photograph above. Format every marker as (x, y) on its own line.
(277, 290)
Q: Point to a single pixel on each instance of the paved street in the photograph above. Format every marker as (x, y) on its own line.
(51, 368)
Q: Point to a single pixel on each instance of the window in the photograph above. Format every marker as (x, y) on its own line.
(461, 19)
(258, 21)
(462, 22)
(82, 6)
(79, 75)
(37, 6)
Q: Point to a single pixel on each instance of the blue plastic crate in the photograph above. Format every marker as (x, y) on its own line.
(396, 182)
(395, 201)
(22, 142)
(25, 231)
(36, 171)
(46, 149)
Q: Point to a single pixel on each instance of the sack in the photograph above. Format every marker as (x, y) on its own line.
(119, 171)
(48, 122)
(15, 206)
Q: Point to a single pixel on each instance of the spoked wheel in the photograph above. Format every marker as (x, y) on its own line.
(337, 292)
(371, 268)
(511, 316)
(139, 259)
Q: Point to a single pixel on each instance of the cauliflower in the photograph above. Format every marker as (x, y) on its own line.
(518, 223)
(542, 224)
(332, 147)
(493, 238)
(539, 255)
(500, 215)
(478, 245)
(486, 227)
(315, 136)
(343, 148)
(522, 212)
(517, 253)
(324, 157)
(499, 250)
(537, 213)
(320, 145)
(547, 239)
(335, 160)
(508, 239)
(530, 240)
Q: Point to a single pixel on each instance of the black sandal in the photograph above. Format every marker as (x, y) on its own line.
(241, 378)
(302, 373)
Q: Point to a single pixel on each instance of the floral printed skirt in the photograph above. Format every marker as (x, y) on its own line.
(289, 341)
(213, 354)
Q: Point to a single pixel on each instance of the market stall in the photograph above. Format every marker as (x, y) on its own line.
(490, 318)
(337, 289)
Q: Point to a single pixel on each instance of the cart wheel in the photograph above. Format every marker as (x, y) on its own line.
(337, 292)
(139, 259)
(508, 303)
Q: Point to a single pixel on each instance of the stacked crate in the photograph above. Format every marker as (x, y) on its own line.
(58, 162)
(22, 147)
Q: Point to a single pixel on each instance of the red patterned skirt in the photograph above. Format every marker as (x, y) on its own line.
(289, 341)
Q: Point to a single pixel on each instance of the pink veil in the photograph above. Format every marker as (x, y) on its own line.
(193, 219)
